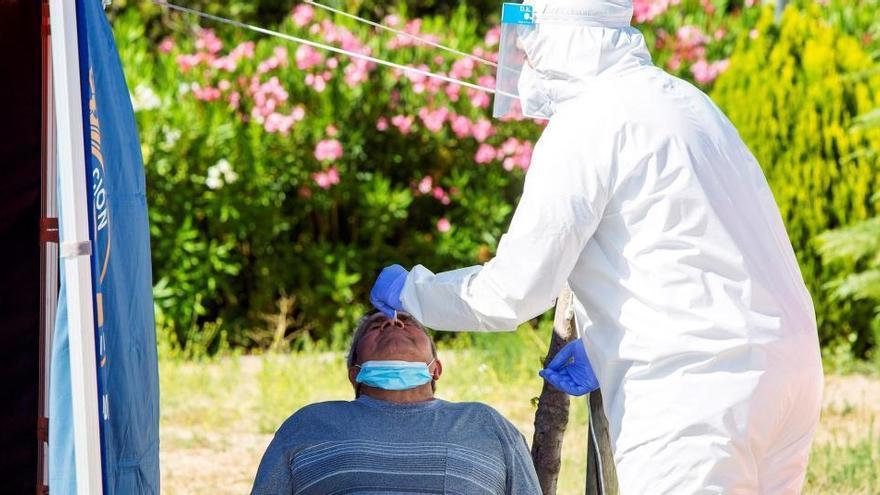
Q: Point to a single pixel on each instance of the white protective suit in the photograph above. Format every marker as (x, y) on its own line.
(644, 199)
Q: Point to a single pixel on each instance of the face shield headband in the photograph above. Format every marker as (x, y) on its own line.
(516, 76)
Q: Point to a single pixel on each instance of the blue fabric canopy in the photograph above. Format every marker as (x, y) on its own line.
(128, 382)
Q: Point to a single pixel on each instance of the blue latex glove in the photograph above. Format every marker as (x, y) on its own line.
(385, 294)
(570, 370)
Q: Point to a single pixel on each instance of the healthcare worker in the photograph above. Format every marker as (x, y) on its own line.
(688, 299)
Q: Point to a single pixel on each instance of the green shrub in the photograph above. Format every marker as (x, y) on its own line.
(791, 92)
(303, 199)
(857, 249)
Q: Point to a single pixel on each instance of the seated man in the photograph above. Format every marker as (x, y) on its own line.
(395, 437)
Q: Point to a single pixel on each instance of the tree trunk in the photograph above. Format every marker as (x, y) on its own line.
(551, 417)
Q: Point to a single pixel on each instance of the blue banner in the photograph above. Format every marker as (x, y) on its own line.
(125, 335)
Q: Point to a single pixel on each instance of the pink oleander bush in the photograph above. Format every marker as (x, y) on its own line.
(279, 171)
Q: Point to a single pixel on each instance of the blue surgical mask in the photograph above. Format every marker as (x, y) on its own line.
(394, 375)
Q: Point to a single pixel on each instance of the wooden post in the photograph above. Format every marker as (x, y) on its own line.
(551, 417)
(601, 474)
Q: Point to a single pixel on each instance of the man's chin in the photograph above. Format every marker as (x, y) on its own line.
(399, 353)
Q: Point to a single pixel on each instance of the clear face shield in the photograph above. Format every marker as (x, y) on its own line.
(517, 23)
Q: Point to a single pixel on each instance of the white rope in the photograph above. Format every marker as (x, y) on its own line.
(330, 48)
(402, 33)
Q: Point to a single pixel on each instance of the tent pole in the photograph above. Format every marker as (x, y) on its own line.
(48, 249)
(75, 246)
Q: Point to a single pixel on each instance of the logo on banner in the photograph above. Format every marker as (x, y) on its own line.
(101, 223)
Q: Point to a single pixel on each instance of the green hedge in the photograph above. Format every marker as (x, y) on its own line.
(793, 91)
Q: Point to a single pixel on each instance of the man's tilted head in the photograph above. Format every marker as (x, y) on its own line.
(382, 339)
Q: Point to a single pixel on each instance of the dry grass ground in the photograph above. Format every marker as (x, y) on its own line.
(218, 416)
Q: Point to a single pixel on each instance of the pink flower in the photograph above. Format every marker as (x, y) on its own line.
(403, 123)
(690, 36)
(523, 157)
(328, 149)
(452, 91)
(266, 97)
(382, 124)
(705, 73)
(331, 130)
(707, 6)
(482, 129)
(443, 225)
(493, 36)
(391, 20)
(166, 45)
(224, 63)
(648, 10)
(462, 68)
(433, 119)
(234, 99)
(510, 146)
(307, 57)
(302, 14)
(278, 59)
(187, 62)
(485, 154)
(479, 99)
(461, 126)
(316, 82)
(425, 184)
(243, 50)
(357, 72)
(224, 85)
(326, 178)
(298, 113)
(207, 93)
(208, 41)
(277, 122)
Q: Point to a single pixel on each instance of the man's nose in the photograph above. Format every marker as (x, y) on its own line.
(391, 323)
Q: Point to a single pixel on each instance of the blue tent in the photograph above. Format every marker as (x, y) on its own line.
(106, 277)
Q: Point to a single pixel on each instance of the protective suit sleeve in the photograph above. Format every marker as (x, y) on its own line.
(561, 205)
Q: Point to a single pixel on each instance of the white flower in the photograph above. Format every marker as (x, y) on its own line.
(171, 137)
(223, 166)
(144, 98)
(214, 182)
(231, 176)
(183, 88)
(220, 173)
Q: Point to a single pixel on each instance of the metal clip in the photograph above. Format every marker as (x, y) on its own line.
(76, 249)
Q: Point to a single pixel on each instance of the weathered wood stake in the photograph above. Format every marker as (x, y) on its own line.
(601, 474)
(551, 417)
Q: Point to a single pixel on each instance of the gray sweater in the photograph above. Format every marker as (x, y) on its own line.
(368, 446)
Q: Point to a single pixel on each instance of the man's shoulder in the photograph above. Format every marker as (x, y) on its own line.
(316, 412)
(481, 409)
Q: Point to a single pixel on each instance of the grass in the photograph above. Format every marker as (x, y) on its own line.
(218, 415)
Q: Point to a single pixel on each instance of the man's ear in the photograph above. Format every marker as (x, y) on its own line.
(352, 375)
(438, 369)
